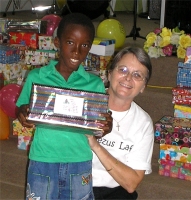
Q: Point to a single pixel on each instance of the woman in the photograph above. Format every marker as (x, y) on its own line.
(122, 157)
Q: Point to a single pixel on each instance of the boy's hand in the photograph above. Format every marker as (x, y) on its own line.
(22, 115)
(106, 124)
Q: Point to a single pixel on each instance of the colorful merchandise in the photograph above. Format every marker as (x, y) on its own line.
(9, 54)
(174, 131)
(11, 71)
(98, 65)
(178, 149)
(175, 156)
(188, 56)
(21, 48)
(19, 130)
(24, 142)
(175, 172)
(181, 96)
(39, 57)
(182, 111)
(184, 74)
(3, 25)
(175, 163)
(24, 134)
(183, 108)
(24, 38)
(4, 38)
(46, 43)
(182, 114)
(95, 62)
(20, 25)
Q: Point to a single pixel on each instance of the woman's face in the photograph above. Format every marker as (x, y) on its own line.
(128, 79)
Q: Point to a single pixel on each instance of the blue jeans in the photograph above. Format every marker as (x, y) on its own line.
(67, 181)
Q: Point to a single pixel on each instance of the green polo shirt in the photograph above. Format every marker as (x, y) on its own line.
(55, 145)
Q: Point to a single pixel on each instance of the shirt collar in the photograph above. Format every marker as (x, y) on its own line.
(50, 69)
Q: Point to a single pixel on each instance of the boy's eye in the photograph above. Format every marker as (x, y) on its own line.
(85, 45)
(69, 42)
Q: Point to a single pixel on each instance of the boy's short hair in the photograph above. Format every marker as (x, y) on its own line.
(75, 18)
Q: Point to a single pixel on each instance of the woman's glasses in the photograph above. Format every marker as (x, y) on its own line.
(136, 75)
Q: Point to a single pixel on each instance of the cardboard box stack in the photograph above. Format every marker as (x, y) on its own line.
(173, 133)
(10, 64)
(99, 57)
(24, 46)
(29, 38)
(174, 136)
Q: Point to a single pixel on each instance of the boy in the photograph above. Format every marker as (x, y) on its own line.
(60, 164)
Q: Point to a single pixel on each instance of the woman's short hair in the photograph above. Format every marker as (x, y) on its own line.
(139, 53)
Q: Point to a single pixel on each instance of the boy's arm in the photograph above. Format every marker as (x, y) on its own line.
(22, 115)
(107, 124)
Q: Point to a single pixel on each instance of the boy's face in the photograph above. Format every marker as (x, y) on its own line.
(74, 46)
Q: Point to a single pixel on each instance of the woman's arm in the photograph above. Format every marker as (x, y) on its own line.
(127, 177)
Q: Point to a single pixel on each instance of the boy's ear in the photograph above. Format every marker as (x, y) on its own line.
(57, 42)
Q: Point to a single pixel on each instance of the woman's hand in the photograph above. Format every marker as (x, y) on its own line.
(107, 124)
(93, 142)
(22, 115)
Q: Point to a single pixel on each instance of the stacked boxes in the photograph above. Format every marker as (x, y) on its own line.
(39, 57)
(182, 111)
(3, 27)
(24, 134)
(10, 63)
(174, 136)
(175, 169)
(173, 133)
(182, 93)
(24, 38)
(9, 54)
(22, 25)
(46, 43)
(103, 46)
(184, 75)
(16, 60)
(99, 57)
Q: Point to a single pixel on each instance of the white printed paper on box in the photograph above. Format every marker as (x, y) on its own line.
(68, 105)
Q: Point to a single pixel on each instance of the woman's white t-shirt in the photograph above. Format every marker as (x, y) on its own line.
(132, 144)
